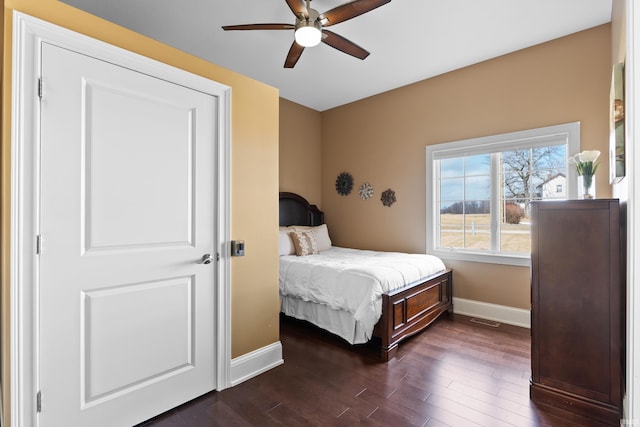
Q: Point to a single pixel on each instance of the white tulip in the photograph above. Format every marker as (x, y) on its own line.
(589, 155)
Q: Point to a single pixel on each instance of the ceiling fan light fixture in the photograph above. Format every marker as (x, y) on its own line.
(309, 27)
(308, 34)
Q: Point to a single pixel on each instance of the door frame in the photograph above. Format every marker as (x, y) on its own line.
(29, 34)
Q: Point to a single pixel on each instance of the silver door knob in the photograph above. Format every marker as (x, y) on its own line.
(206, 259)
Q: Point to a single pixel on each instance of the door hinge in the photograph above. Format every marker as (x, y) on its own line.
(40, 88)
(217, 256)
(38, 244)
(39, 402)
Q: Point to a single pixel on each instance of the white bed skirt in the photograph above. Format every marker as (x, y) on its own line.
(339, 322)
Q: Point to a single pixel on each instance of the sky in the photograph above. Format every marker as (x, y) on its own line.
(469, 177)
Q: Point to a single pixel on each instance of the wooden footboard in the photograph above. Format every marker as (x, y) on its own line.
(408, 310)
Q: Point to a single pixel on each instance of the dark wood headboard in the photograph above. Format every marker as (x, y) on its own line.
(295, 210)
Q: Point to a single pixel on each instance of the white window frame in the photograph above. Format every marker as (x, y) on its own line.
(567, 132)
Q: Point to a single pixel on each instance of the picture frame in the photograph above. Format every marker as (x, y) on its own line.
(616, 125)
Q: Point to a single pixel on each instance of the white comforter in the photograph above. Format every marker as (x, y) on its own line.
(353, 280)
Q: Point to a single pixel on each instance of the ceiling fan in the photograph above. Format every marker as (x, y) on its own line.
(310, 27)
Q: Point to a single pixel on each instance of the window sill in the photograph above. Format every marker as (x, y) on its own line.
(519, 260)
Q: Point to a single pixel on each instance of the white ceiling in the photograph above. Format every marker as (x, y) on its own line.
(409, 40)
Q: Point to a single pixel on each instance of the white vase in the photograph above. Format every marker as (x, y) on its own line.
(586, 187)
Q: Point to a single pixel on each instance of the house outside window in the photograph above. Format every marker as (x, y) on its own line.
(553, 187)
(479, 191)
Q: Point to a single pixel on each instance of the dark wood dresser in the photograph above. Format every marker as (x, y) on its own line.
(577, 307)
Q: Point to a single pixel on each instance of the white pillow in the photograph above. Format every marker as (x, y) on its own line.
(285, 245)
(320, 233)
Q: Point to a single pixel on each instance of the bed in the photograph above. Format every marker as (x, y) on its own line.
(401, 301)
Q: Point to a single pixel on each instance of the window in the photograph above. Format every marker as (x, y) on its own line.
(479, 191)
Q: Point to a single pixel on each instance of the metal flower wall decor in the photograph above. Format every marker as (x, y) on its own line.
(344, 183)
(388, 197)
(366, 191)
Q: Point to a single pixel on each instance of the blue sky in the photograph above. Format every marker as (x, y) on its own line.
(469, 178)
(477, 183)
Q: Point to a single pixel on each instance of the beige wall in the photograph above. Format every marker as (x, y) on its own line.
(254, 174)
(300, 150)
(382, 140)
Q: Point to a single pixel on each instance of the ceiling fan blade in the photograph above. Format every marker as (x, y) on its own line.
(259, 27)
(349, 10)
(298, 8)
(343, 45)
(294, 54)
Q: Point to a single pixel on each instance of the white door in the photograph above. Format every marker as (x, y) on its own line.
(127, 195)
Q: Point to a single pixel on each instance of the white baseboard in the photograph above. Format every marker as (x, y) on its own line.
(255, 363)
(495, 312)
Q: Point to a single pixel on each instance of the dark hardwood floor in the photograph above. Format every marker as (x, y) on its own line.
(455, 373)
